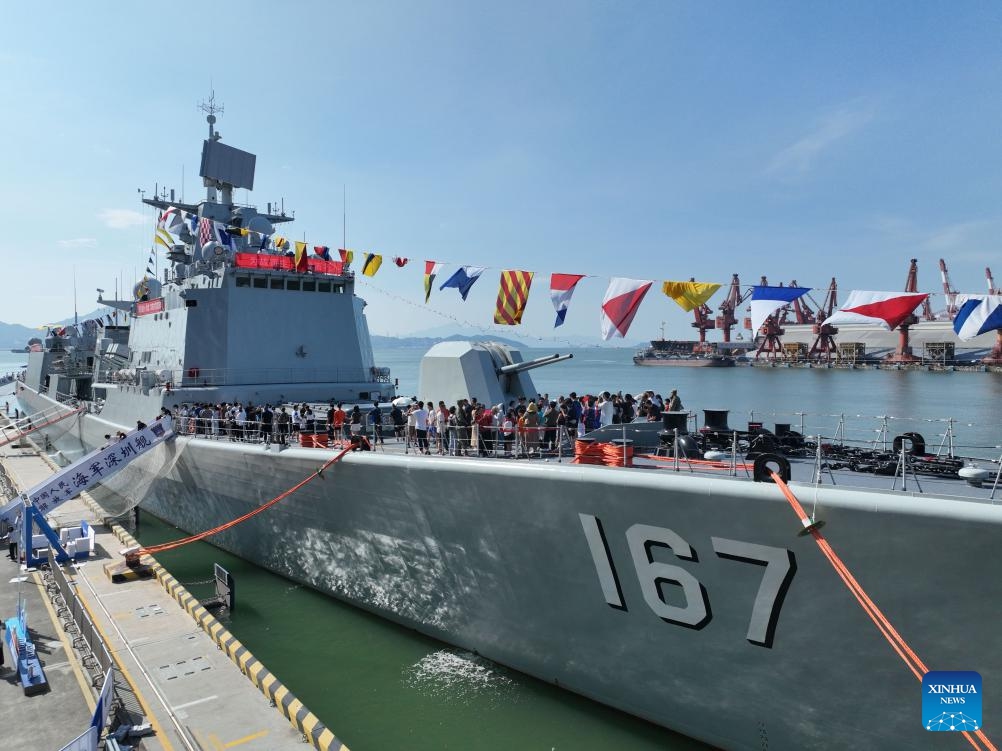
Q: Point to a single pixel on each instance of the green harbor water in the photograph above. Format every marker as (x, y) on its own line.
(381, 687)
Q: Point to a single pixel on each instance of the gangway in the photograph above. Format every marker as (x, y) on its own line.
(28, 511)
(28, 424)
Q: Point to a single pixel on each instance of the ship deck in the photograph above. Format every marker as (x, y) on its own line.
(804, 470)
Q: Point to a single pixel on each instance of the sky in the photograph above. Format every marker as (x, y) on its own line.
(658, 141)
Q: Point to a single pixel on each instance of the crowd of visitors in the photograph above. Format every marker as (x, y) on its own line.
(524, 426)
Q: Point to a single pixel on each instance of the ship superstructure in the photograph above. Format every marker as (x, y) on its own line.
(233, 319)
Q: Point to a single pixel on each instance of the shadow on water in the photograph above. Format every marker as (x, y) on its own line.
(381, 686)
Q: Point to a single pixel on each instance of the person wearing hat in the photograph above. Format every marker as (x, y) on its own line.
(531, 428)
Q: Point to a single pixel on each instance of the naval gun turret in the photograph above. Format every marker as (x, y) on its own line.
(492, 372)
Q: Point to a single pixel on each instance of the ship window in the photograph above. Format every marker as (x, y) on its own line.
(277, 283)
(324, 287)
(292, 284)
(191, 303)
(309, 286)
(260, 283)
(338, 289)
(243, 281)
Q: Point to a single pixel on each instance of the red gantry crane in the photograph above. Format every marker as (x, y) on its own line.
(801, 312)
(903, 354)
(949, 292)
(726, 320)
(704, 322)
(771, 330)
(824, 347)
(995, 356)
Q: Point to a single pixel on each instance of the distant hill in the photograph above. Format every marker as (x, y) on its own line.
(14, 335)
(424, 342)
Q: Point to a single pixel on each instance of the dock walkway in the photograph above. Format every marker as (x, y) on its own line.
(194, 696)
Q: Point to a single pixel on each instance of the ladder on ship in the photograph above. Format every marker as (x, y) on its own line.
(28, 424)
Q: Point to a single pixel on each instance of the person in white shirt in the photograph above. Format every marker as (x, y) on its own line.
(606, 407)
(421, 428)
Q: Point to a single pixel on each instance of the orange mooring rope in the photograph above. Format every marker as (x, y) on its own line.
(233, 522)
(905, 652)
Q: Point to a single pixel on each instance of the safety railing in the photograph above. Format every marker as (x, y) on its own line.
(85, 637)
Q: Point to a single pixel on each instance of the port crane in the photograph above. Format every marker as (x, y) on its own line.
(995, 356)
(903, 354)
(801, 312)
(726, 320)
(824, 333)
(771, 330)
(949, 293)
(703, 322)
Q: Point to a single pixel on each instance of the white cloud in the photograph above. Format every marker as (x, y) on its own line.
(960, 236)
(78, 242)
(798, 158)
(121, 218)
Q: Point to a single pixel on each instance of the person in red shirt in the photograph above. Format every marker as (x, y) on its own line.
(485, 419)
(339, 420)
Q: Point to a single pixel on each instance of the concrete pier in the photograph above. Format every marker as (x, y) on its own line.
(190, 685)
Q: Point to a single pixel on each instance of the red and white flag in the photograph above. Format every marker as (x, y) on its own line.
(885, 309)
(399, 261)
(622, 299)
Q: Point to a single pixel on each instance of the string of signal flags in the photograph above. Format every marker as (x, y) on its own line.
(623, 296)
(619, 307)
(620, 304)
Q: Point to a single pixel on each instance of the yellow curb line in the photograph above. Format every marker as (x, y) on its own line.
(307, 723)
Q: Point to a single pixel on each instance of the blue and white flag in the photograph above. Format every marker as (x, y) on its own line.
(767, 300)
(464, 279)
(977, 315)
(561, 289)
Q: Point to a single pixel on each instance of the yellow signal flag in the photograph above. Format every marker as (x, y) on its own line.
(372, 264)
(689, 295)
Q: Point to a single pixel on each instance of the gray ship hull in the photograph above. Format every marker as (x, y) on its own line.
(626, 586)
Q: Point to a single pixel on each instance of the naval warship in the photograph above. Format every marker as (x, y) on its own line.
(680, 597)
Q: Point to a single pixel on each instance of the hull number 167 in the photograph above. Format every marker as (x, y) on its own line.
(779, 566)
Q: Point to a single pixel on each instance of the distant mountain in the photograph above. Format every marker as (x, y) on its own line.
(14, 335)
(424, 342)
(451, 332)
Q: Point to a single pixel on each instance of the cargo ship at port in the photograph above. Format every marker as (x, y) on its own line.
(685, 598)
(670, 353)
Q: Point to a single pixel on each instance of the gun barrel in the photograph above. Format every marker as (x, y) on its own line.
(538, 362)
